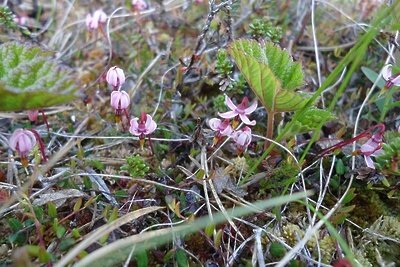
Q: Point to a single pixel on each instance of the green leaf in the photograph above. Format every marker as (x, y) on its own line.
(51, 210)
(271, 74)
(311, 119)
(30, 78)
(141, 259)
(15, 225)
(181, 258)
(372, 76)
(277, 250)
(7, 17)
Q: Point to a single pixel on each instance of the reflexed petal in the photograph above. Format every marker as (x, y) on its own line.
(396, 81)
(100, 16)
(377, 153)
(251, 108)
(229, 103)
(150, 125)
(89, 21)
(227, 131)
(241, 139)
(22, 141)
(111, 76)
(387, 72)
(134, 129)
(214, 124)
(114, 100)
(228, 115)
(367, 148)
(246, 120)
(124, 100)
(120, 75)
(369, 162)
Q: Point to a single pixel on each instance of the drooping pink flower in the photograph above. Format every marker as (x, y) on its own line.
(120, 100)
(23, 142)
(142, 126)
(222, 128)
(33, 115)
(98, 18)
(115, 77)
(242, 110)
(389, 77)
(139, 5)
(373, 147)
(242, 138)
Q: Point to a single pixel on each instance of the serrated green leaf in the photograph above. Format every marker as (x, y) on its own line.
(31, 79)
(310, 119)
(271, 74)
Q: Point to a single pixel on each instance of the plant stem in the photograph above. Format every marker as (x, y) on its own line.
(270, 128)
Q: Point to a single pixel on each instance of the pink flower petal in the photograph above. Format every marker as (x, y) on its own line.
(150, 125)
(89, 21)
(22, 141)
(124, 100)
(228, 115)
(387, 72)
(100, 16)
(396, 81)
(369, 162)
(227, 131)
(246, 120)
(251, 108)
(134, 129)
(214, 124)
(229, 103)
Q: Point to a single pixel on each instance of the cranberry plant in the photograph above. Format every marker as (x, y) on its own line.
(274, 78)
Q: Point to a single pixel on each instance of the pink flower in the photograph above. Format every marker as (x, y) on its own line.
(139, 5)
(242, 138)
(98, 18)
(120, 100)
(372, 148)
(142, 126)
(20, 20)
(23, 142)
(115, 77)
(241, 110)
(33, 115)
(223, 128)
(389, 77)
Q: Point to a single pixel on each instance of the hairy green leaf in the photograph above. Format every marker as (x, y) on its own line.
(31, 79)
(271, 74)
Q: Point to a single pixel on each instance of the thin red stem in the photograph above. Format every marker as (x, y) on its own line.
(41, 144)
(45, 120)
(366, 133)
